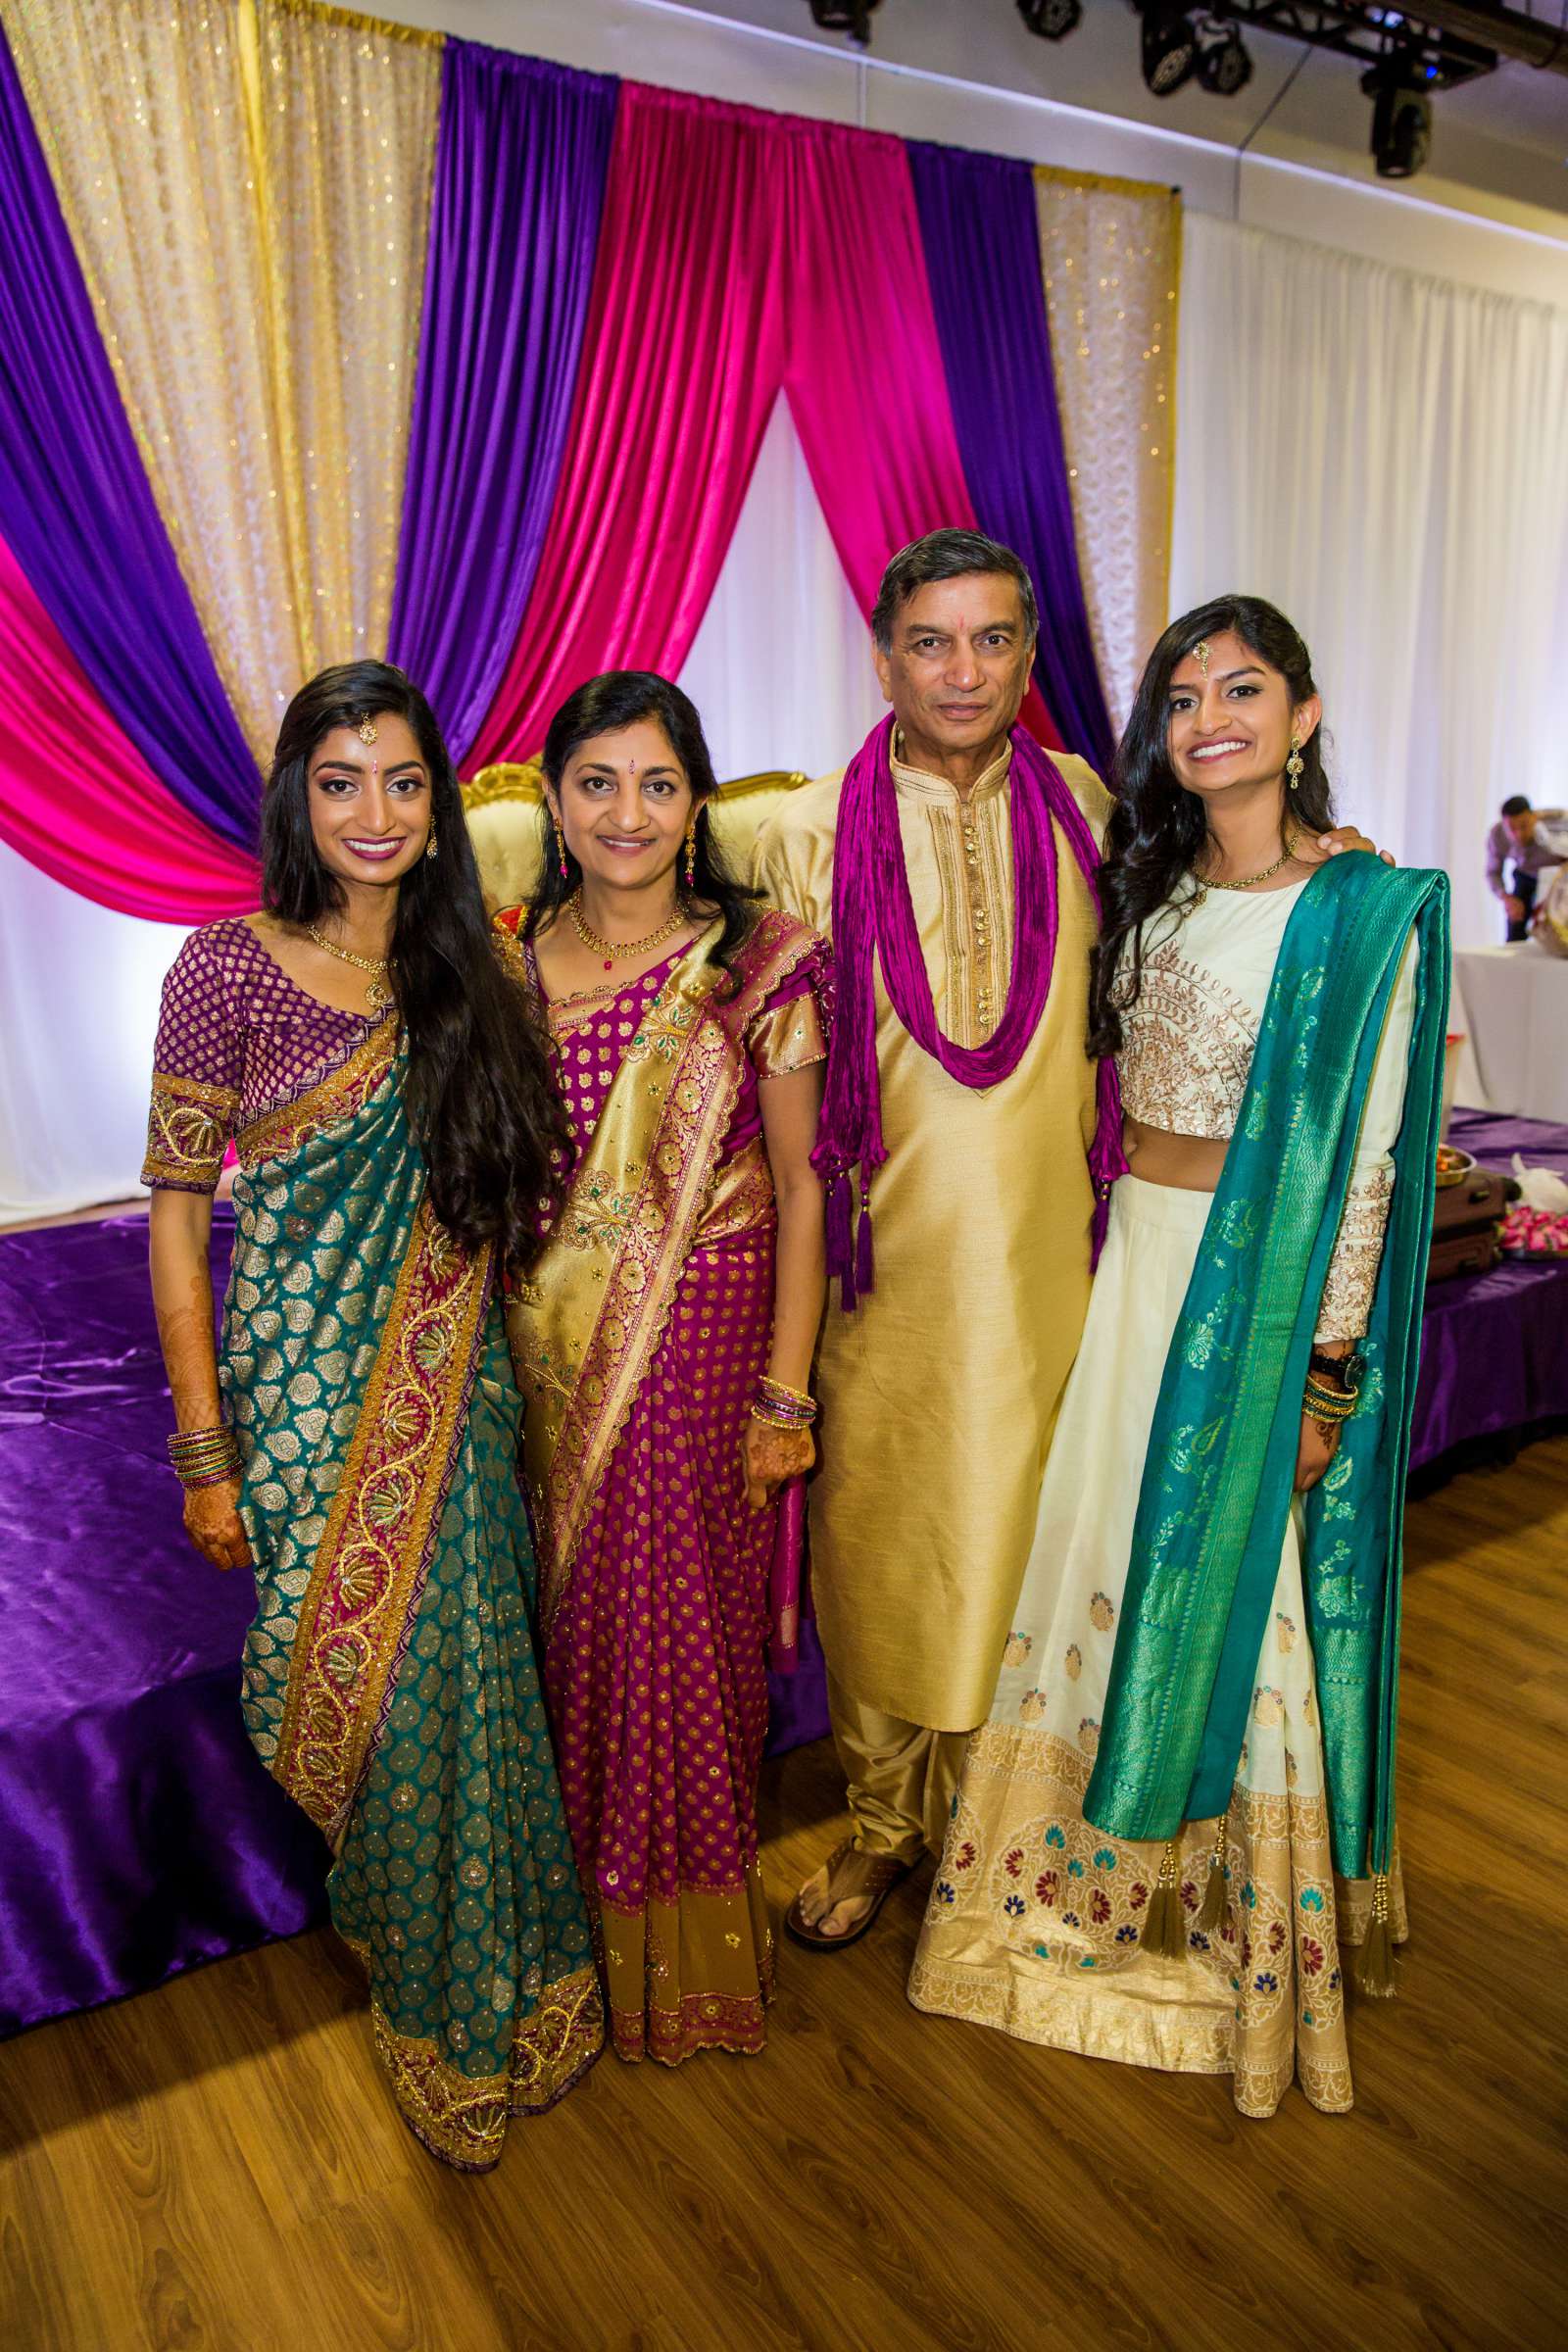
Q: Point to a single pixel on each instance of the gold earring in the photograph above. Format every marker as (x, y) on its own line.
(1295, 764)
(561, 844)
(691, 850)
(429, 846)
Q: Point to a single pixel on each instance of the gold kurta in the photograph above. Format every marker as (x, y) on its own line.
(939, 1392)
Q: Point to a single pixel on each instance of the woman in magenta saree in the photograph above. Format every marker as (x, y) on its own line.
(679, 1292)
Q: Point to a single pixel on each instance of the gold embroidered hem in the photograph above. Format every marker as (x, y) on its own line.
(1036, 1917)
(463, 2118)
(689, 1975)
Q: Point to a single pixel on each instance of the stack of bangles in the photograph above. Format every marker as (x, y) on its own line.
(1327, 1404)
(781, 1407)
(205, 1457)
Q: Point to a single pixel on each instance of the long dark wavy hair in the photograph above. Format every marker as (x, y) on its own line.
(478, 1090)
(620, 698)
(1157, 829)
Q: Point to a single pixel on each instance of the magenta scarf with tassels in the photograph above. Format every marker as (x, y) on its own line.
(873, 917)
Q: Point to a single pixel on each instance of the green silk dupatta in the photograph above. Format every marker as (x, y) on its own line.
(1220, 1472)
(389, 1682)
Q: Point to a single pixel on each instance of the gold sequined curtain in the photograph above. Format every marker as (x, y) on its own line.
(1111, 253)
(247, 184)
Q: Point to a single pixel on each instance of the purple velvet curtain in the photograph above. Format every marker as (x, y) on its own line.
(982, 248)
(520, 187)
(78, 514)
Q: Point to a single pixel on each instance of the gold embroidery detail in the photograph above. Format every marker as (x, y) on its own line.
(1345, 1308)
(371, 1562)
(463, 2118)
(188, 1129)
(1188, 1049)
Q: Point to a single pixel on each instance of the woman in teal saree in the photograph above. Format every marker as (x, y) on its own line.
(354, 1443)
(1181, 1808)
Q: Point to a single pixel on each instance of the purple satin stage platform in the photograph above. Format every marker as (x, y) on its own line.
(138, 1834)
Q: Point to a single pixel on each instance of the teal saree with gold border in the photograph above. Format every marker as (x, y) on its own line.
(390, 1683)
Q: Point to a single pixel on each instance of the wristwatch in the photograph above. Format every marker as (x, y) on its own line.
(1344, 1371)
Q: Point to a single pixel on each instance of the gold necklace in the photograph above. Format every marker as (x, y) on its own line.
(378, 995)
(1212, 882)
(620, 950)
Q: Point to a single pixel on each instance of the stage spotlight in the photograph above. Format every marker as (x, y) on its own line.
(852, 16)
(1402, 113)
(1053, 20)
(1223, 65)
(1169, 47)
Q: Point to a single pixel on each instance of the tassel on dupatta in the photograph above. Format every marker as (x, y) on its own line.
(1373, 1966)
(840, 1242)
(1165, 1924)
(1211, 1918)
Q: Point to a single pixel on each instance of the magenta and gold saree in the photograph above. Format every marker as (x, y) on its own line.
(637, 1341)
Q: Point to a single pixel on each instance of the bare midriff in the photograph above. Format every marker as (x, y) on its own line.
(1189, 1163)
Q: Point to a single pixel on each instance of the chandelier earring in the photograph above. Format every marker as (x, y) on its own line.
(561, 844)
(1293, 765)
(691, 852)
(429, 846)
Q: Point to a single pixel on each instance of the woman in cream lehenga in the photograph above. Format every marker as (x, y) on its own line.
(663, 1343)
(353, 1444)
(1181, 1808)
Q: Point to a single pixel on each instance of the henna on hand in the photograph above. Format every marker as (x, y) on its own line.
(214, 1526)
(769, 1456)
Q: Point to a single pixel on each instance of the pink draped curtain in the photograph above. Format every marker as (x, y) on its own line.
(71, 782)
(866, 384)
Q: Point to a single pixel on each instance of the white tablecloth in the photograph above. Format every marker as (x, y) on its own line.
(1514, 1004)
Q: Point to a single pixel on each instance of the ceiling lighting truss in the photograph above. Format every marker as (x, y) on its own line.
(1372, 34)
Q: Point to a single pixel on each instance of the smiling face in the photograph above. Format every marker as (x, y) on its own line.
(959, 667)
(1231, 718)
(369, 802)
(624, 802)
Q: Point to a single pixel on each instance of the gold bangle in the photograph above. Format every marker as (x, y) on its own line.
(760, 1412)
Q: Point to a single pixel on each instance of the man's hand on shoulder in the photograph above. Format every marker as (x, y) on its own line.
(1318, 851)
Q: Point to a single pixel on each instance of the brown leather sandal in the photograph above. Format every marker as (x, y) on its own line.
(878, 1875)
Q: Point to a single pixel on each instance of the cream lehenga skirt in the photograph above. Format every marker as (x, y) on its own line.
(1035, 1918)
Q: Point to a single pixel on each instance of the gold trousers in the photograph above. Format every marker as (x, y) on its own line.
(903, 1776)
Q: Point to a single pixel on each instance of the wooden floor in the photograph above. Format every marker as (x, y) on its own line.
(217, 2165)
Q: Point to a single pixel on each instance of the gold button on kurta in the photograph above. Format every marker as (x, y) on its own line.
(939, 1392)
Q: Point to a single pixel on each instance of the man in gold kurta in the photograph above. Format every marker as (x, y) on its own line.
(939, 1390)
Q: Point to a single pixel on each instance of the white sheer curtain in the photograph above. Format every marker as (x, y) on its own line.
(1386, 457)
(781, 672)
(781, 668)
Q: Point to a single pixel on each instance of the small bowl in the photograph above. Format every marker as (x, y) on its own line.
(1454, 1165)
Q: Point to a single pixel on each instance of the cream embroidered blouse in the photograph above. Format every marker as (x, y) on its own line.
(1188, 1050)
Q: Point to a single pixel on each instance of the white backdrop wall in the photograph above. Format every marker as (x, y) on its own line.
(1386, 457)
